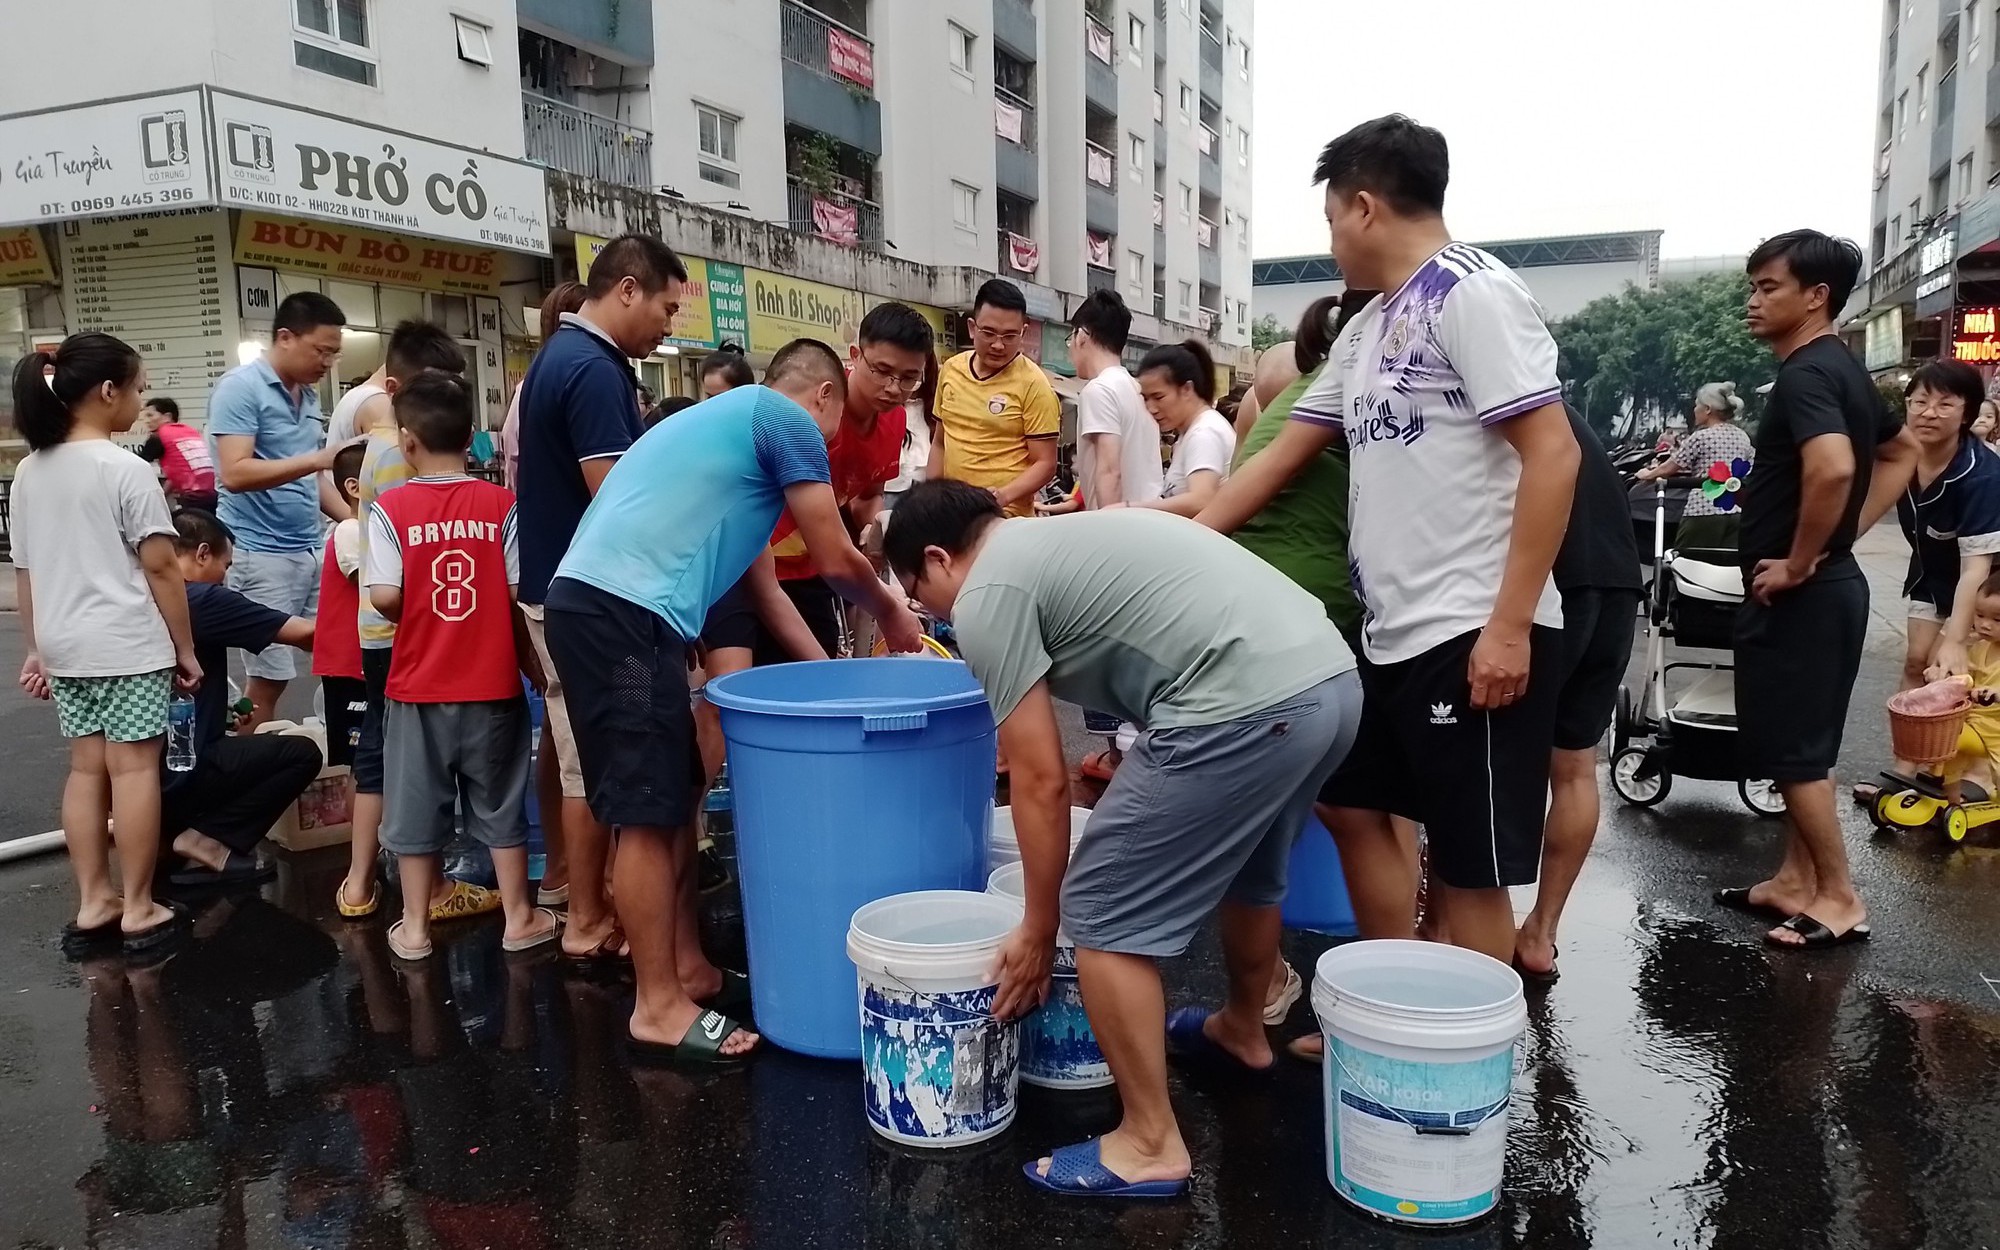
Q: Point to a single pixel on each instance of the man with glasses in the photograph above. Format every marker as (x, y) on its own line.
(895, 346)
(997, 416)
(270, 453)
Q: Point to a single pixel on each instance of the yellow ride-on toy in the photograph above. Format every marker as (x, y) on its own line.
(1926, 801)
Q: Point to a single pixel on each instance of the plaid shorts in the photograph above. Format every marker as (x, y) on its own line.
(123, 709)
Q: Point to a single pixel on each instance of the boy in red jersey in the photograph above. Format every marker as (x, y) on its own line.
(443, 563)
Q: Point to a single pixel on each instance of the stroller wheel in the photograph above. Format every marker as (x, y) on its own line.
(1621, 723)
(1640, 779)
(1761, 797)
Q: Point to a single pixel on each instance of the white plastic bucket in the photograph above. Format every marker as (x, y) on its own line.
(1058, 1050)
(1419, 1067)
(937, 1068)
(1003, 849)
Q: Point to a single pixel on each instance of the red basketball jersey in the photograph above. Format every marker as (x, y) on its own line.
(455, 643)
(337, 634)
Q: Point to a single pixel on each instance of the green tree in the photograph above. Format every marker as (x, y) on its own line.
(1266, 333)
(1652, 350)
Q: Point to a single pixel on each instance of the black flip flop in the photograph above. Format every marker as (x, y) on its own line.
(1738, 899)
(1532, 977)
(1816, 935)
(153, 938)
(701, 1047)
(241, 868)
(74, 935)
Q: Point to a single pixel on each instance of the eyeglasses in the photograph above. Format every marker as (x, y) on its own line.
(889, 378)
(996, 336)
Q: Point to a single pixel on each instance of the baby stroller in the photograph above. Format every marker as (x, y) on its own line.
(1688, 730)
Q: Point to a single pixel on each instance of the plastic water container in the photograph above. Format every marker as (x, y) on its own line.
(1058, 1050)
(851, 780)
(1419, 1068)
(531, 808)
(936, 1068)
(1003, 849)
(1316, 885)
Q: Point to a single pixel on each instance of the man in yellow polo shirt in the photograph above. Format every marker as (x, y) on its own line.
(998, 419)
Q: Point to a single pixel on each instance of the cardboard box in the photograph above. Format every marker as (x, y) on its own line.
(322, 815)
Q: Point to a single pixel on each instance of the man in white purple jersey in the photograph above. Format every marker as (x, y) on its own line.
(1463, 466)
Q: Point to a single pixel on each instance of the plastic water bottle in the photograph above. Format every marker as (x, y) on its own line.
(180, 734)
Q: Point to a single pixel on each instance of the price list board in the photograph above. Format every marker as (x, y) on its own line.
(163, 283)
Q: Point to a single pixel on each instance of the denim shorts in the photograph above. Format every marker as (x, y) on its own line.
(284, 581)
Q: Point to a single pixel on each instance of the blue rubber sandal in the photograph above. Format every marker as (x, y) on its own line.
(1078, 1171)
(1187, 1041)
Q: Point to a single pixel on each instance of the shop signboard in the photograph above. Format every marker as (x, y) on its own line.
(1055, 349)
(938, 319)
(106, 159)
(1883, 340)
(277, 159)
(1975, 335)
(1937, 262)
(23, 259)
(351, 254)
(782, 309)
(711, 303)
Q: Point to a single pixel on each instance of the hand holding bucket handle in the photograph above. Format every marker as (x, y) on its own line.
(1023, 968)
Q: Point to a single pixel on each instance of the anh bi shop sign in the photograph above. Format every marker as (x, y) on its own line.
(1934, 262)
(114, 158)
(277, 159)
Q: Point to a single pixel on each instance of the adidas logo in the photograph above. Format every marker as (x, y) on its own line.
(1441, 714)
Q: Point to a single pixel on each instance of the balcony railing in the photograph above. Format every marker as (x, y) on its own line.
(834, 216)
(1099, 41)
(1207, 140)
(1100, 165)
(1013, 118)
(1211, 48)
(562, 136)
(809, 38)
(1204, 232)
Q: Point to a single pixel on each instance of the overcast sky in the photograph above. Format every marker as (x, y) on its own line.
(1719, 121)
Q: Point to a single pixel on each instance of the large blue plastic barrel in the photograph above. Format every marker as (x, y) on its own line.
(853, 780)
(1316, 890)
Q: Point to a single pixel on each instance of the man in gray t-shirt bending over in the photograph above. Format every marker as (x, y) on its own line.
(1248, 699)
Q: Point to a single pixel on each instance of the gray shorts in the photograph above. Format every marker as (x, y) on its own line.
(1193, 815)
(436, 753)
(284, 581)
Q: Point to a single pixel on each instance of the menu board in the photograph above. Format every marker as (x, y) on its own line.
(161, 282)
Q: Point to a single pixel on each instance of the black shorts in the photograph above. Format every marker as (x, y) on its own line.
(368, 747)
(732, 621)
(822, 610)
(1796, 661)
(346, 700)
(1477, 781)
(1597, 645)
(624, 675)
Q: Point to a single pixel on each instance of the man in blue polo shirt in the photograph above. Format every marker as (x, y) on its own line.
(678, 520)
(268, 444)
(579, 412)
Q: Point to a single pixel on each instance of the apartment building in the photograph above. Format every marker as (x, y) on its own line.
(1934, 237)
(453, 160)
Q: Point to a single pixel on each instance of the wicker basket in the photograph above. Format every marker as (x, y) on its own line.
(1930, 739)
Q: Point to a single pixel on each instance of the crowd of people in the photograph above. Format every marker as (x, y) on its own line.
(1399, 589)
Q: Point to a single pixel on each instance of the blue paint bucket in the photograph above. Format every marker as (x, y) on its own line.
(1058, 1050)
(937, 1068)
(1419, 1070)
(1316, 885)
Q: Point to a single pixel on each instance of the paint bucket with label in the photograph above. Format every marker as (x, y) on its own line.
(1419, 1067)
(1058, 1050)
(1001, 847)
(937, 1068)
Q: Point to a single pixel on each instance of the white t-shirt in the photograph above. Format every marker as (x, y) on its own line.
(347, 547)
(1417, 381)
(80, 511)
(340, 426)
(1111, 404)
(1208, 443)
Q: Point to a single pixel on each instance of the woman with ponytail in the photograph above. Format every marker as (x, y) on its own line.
(106, 621)
(1177, 381)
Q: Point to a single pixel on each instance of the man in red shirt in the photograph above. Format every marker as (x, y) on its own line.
(182, 453)
(895, 348)
(444, 564)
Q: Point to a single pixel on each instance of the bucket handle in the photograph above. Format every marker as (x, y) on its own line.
(894, 722)
(968, 1012)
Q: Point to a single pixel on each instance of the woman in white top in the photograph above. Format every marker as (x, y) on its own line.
(1177, 381)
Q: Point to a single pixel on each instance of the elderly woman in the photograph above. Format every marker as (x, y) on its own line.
(1717, 452)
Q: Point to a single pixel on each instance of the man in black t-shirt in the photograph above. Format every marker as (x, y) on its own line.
(240, 784)
(1597, 571)
(1831, 460)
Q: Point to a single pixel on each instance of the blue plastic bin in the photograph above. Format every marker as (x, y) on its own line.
(1316, 893)
(852, 780)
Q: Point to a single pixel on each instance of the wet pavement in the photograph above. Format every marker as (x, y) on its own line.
(281, 1084)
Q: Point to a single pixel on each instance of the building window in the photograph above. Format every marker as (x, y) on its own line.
(1138, 156)
(964, 206)
(1136, 272)
(959, 43)
(332, 37)
(1895, 231)
(475, 41)
(1940, 192)
(717, 132)
(1972, 33)
(1965, 178)
(1242, 231)
(1243, 146)
(1243, 59)
(1242, 314)
(1187, 203)
(1135, 36)
(1923, 94)
(1187, 298)
(1187, 104)
(1902, 115)
(1916, 214)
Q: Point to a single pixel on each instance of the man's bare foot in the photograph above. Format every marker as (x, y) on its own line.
(581, 943)
(702, 981)
(138, 921)
(1247, 1042)
(1133, 1163)
(98, 912)
(202, 849)
(671, 1028)
(1781, 896)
